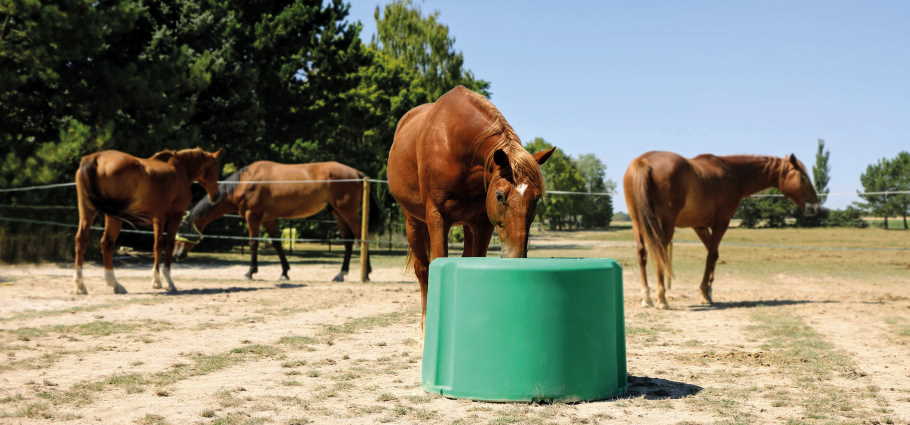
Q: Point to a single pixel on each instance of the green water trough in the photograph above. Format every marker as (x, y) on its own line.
(525, 329)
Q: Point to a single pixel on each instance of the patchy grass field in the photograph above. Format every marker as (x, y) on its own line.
(801, 333)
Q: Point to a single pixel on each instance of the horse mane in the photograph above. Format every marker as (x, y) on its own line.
(205, 205)
(164, 156)
(521, 161)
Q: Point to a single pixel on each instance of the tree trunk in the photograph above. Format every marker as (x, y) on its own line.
(905, 221)
(885, 223)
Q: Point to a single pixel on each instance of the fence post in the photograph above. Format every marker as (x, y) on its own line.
(364, 233)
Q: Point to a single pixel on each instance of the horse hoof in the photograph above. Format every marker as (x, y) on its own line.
(647, 303)
(119, 289)
(248, 276)
(284, 277)
(663, 306)
(81, 291)
(172, 290)
(338, 278)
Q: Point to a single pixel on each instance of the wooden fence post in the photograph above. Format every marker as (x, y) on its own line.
(364, 232)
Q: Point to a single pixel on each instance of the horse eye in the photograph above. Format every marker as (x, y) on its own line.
(501, 196)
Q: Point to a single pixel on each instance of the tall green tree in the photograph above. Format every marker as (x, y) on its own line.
(560, 173)
(596, 211)
(423, 43)
(821, 171)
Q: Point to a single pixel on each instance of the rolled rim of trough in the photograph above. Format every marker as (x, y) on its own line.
(525, 329)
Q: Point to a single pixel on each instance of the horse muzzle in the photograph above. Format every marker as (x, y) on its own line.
(812, 209)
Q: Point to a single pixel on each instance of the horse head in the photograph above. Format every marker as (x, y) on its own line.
(208, 172)
(795, 184)
(512, 199)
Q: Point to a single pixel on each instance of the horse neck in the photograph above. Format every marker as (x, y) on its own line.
(755, 173)
(188, 162)
(210, 212)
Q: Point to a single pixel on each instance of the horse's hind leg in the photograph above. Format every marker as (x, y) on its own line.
(346, 233)
(108, 239)
(86, 217)
(272, 228)
(642, 251)
(252, 223)
(173, 223)
(663, 273)
(156, 252)
(418, 243)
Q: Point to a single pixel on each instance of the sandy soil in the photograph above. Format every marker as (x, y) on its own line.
(229, 351)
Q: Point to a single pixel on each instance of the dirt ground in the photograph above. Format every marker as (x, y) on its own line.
(776, 348)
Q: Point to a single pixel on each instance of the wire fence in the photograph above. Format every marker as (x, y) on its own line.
(389, 243)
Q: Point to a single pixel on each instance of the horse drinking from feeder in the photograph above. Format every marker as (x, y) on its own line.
(664, 190)
(457, 161)
(286, 191)
(152, 191)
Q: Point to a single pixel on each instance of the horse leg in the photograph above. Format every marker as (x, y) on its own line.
(468, 241)
(643, 268)
(171, 226)
(108, 239)
(663, 274)
(346, 233)
(156, 252)
(252, 223)
(438, 230)
(704, 234)
(272, 228)
(418, 239)
(717, 233)
(483, 231)
(86, 217)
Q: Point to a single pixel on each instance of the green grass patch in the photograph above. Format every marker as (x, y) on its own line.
(95, 328)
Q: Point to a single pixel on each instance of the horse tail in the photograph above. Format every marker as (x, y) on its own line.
(87, 183)
(377, 218)
(644, 215)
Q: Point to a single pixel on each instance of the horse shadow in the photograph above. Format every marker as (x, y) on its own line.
(659, 389)
(231, 290)
(754, 304)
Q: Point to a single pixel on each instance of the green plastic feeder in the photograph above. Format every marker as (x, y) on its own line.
(525, 329)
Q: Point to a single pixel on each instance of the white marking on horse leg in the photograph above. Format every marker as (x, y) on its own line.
(156, 278)
(80, 285)
(170, 282)
(522, 188)
(112, 281)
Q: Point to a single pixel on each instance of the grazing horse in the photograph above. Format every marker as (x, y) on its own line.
(288, 191)
(664, 190)
(457, 161)
(152, 191)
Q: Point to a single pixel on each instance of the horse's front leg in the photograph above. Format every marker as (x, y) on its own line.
(438, 230)
(108, 240)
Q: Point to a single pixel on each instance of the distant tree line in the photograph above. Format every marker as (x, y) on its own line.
(886, 175)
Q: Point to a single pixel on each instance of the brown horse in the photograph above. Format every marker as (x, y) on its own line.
(152, 191)
(664, 190)
(289, 191)
(457, 161)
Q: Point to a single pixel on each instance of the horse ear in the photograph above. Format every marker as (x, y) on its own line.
(792, 159)
(218, 153)
(543, 156)
(501, 159)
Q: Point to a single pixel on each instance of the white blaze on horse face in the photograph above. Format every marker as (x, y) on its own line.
(522, 188)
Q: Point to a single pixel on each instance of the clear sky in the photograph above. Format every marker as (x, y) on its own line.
(618, 79)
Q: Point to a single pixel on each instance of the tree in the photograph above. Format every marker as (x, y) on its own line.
(821, 171)
(769, 207)
(596, 211)
(423, 44)
(887, 175)
(559, 211)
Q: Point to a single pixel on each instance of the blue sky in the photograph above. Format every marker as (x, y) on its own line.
(618, 79)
